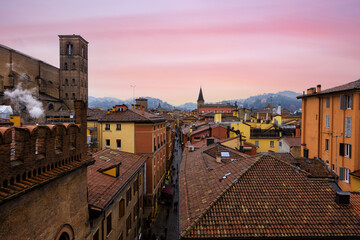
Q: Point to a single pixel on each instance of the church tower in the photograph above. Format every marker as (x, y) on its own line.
(73, 69)
(200, 101)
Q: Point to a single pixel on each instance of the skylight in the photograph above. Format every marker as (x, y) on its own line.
(225, 154)
(104, 158)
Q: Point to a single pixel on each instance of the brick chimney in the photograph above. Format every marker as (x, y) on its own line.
(318, 88)
(143, 111)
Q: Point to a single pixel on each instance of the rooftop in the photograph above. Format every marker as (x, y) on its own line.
(203, 180)
(102, 187)
(131, 115)
(351, 86)
(272, 199)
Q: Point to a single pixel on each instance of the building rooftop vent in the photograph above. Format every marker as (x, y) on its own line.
(343, 198)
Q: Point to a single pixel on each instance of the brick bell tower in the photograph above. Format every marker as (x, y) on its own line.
(73, 69)
(200, 101)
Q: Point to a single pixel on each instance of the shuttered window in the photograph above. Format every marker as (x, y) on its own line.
(341, 173)
(121, 208)
(347, 126)
(326, 144)
(343, 102)
(349, 101)
(327, 121)
(341, 149)
(327, 102)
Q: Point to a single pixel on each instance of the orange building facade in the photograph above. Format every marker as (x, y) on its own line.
(331, 129)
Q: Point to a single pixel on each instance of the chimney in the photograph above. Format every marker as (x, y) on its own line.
(143, 111)
(318, 88)
(343, 198)
(209, 141)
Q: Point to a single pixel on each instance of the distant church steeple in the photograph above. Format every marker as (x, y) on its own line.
(200, 98)
(200, 101)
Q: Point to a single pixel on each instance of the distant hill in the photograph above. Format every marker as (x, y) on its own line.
(287, 99)
(109, 102)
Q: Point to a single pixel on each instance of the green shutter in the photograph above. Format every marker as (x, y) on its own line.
(342, 149)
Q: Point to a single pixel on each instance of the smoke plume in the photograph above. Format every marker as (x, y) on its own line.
(26, 98)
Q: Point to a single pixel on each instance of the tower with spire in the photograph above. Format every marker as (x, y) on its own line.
(200, 101)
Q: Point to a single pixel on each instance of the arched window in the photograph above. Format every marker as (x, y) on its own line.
(64, 236)
(69, 49)
(66, 82)
(82, 51)
(66, 233)
(65, 66)
(73, 81)
(73, 66)
(73, 96)
(66, 96)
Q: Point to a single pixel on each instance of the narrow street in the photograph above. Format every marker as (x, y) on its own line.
(166, 225)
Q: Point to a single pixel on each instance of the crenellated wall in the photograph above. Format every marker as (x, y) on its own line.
(33, 150)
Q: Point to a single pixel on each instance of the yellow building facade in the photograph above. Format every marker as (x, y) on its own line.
(119, 136)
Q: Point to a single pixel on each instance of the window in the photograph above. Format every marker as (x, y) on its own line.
(82, 51)
(272, 144)
(196, 138)
(73, 82)
(66, 96)
(346, 102)
(69, 49)
(118, 126)
(128, 196)
(347, 126)
(73, 96)
(66, 82)
(349, 101)
(107, 142)
(327, 121)
(136, 186)
(96, 235)
(121, 208)
(73, 66)
(118, 143)
(257, 143)
(107, 126)
(108, 224)
(65, 66)
(280, 144)
(328, 102)
(333, 167)
(327, 144)
(345, 150)
(128, 225)
(344, 174)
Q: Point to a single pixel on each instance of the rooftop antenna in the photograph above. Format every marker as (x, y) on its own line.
(133, 86)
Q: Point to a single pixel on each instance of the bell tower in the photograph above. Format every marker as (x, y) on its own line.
(200, 101)
(73, 69)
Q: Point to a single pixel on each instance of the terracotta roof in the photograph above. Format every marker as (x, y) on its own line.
(315, 168)
(23, 186)
(355, 202)
(93, 114)
(274, 199)
(131, 115)
(101, 187)
(230, 119)
(204, 128)
(351, 86)
(293, 141)
(201, 180)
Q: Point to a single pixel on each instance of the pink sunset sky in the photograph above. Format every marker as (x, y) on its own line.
(233, 49)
